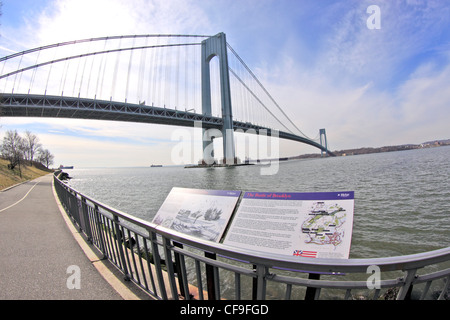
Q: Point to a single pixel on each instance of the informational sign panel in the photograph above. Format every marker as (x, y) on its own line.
(314, 225)
(201, 213)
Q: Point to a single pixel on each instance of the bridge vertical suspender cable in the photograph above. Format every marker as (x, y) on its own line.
(80, 82)
(141, 75)
(127, 85)
(265, 91)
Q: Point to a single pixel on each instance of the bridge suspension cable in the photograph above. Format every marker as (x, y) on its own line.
(265, 91)
(92, 54)
(163, 73)
(61, 44)
(151, 70)
(255, 96)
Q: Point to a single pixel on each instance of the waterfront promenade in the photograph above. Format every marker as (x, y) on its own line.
(44, 257)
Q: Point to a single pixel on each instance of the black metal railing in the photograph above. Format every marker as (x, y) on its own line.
(171, 265)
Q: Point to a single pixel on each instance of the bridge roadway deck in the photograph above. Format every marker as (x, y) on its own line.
(38, 243)
(30, 105)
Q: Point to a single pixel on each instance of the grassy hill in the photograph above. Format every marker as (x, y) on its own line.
(9, 177)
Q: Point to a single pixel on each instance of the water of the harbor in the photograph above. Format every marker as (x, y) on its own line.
(402, 199)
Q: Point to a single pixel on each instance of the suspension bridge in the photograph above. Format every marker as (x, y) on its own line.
(178, 80)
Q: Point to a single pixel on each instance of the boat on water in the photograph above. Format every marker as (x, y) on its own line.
(65, 167)
(156, 165)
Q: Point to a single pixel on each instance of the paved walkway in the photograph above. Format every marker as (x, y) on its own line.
(41, 253)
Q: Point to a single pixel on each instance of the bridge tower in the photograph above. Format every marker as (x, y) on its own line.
(212, 47)
(323, 141)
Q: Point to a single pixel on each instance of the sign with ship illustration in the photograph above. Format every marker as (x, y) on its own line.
(313, 225)
(201, 213)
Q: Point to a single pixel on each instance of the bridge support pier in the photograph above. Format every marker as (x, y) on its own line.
(212, 47)
(323, 141)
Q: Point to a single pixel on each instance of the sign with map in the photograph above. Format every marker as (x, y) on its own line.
(201, 213)
(313, 225)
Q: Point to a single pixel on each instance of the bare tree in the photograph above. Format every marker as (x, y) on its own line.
(13, 148)
(45, 157)
(32, 146)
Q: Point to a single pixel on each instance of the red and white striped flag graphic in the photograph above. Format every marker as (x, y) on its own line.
(304, 253)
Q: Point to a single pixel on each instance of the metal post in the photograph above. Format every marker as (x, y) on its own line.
(170, 268)
(119, 239)
(254, 285)
(157, 263)
(101, 229)
(210, 283)
(311, 291)
(405, 289)
(87, 221)
(178, 268)
(261, 272)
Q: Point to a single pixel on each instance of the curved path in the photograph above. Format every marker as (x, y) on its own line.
(42, 255)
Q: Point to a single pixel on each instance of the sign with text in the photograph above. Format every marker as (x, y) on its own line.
(314, 225)
(201, 213)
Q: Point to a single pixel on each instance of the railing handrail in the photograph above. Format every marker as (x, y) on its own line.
(416, 260)
(275, 261)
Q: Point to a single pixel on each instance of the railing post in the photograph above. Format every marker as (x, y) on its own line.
(177, 270)
(410, 274)
(86, 219)
(311, 291)
(119, 239)
(79, 209)
(445, 289)
(170, 269)
(100, 228)
(74, 208)
(254, 284)
(210, 282)
(261, 272)
(182, 282)
(157, 263)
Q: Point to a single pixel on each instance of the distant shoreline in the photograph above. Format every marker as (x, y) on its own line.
(369, 150)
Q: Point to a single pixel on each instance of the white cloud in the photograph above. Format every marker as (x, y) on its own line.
(425, 103)
(369, 87)
(75, 19)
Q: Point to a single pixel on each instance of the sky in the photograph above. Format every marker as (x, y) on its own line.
(370, 78)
